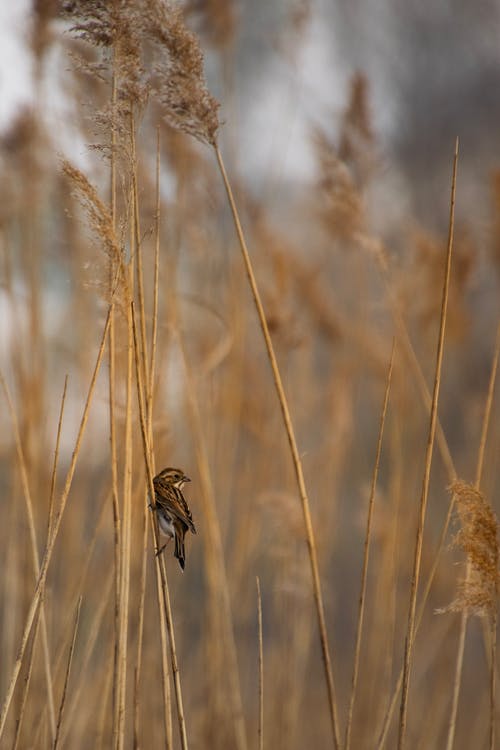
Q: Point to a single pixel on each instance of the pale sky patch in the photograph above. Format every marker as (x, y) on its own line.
(16, 73)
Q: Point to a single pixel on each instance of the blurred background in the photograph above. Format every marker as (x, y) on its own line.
(339, 122)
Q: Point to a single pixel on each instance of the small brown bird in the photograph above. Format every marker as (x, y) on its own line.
(174, 516)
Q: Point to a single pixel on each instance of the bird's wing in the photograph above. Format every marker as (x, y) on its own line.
(172, 500)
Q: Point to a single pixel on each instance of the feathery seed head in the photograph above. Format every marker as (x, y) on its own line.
(178, 78)
(153, 30)
(478, 537)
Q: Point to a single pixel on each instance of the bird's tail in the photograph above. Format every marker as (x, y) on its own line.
(179, 547)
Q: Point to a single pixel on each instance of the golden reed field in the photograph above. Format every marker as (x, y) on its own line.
(328, 387)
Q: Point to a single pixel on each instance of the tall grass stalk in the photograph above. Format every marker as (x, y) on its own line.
(27, 681)
(217, 577)
(149, 380)
(66, 678)
(493, 678)
(166, 692)
(125, 555)
(117, 528)
(53, 478)
(167, 707)
(410, 633)
(166, 608)
(103, 712)
(452, 475)
(38, 593)
(261, 668)
(366, 555)
(92, 643)
(297, 463)
(382, 735)
(404, 340)
(34, 549)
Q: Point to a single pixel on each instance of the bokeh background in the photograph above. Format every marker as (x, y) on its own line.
(339, 123)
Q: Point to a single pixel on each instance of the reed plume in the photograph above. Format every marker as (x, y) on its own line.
(478, 539)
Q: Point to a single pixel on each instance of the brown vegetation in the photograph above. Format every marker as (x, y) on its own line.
(156, 314)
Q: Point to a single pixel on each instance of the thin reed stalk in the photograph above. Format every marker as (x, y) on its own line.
(366, 555)
(40, 586)
(94, 634)
(487, 412)
(154, 323)
(149, 375)
(404, 340)
(126, 528)
(34, 549)
(167, 703)
(297, 463)
(117, 522)
(138, 251)
(217, 574)
(452, 475)
(167, 707)
(104, 708)
(117, 530)
(410, 632)
(79, 584)
(160, 562)
(261, 669)
(493, 678)
(425, 595)
(140, 626)
(66, 677)
(27, 681)
(56, 458)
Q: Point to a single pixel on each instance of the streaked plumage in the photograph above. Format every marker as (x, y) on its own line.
(174, 516)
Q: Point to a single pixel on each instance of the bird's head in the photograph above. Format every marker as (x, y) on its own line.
(175, 477)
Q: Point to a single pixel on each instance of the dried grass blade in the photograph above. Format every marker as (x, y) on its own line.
(366, 554)
(34, 549)
(53, 536)
(410, 632)
(68, 671)
(165, 606)
(27, 681)
(261, 669)
(297, 463)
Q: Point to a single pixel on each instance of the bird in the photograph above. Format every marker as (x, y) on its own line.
(174, 516)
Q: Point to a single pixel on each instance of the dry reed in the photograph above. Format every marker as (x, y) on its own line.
(366, 554)
(410, 634)
(138, 246)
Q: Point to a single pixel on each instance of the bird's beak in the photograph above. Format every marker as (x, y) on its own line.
(187, 479)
